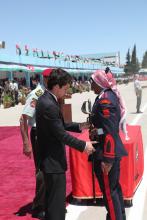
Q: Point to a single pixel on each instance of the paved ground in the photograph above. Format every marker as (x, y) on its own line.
(9, 117)
(138, 211)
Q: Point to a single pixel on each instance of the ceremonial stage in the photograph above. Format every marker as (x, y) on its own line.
(131, 170)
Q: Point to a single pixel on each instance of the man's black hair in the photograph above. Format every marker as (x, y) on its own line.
(58, 77)
(107, 70)
(35, 77)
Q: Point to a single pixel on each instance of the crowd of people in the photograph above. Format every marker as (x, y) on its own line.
(16, 90)
(12, 91)
(48, 137)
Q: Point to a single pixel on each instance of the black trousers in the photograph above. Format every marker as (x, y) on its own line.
(39, 200)
(55, 199)
(111, 189)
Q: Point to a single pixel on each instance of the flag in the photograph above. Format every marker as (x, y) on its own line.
(49, 55)
(54, 53)
(26, 50)
(35, 52)
(18, 50)
(42, 53)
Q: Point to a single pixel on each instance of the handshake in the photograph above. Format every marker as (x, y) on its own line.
(94, 140)
(89, 149)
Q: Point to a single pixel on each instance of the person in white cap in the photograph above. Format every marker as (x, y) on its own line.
(52, 137)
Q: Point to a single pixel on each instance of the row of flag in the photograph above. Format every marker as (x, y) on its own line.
(38, 53)
(56, 55)
(59, 55)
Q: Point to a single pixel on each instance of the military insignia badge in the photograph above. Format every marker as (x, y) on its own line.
(39, 92)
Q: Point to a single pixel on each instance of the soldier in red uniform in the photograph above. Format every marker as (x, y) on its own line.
(107, 112)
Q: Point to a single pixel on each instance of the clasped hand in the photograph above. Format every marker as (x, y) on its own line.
(89, 149)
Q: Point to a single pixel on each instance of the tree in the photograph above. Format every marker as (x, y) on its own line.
(134, 61)
(127, 68)
(144, 61)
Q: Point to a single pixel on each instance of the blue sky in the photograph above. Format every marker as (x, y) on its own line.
(75, 27)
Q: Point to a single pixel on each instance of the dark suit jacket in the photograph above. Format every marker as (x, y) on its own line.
(52, 135)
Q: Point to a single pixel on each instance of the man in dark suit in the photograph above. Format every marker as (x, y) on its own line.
(52, 137)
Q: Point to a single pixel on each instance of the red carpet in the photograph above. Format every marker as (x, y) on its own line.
(17, 180)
